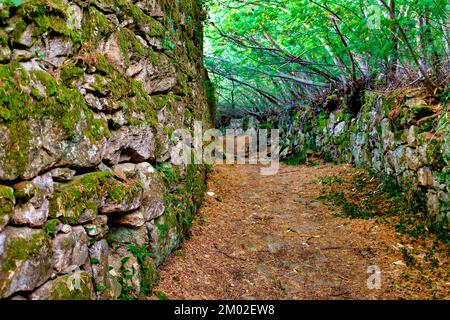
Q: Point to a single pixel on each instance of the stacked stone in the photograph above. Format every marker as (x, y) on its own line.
(90, 92)
(407, 139)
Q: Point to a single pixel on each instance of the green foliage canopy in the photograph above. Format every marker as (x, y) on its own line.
(265, 56)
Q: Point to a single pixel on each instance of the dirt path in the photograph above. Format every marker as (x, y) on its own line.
(270, 238)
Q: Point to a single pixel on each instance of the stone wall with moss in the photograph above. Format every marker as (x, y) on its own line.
(89, 94)
(402, 135)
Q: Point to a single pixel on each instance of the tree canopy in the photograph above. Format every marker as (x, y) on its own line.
(266, 55)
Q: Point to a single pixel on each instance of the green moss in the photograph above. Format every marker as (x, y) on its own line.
(420, 112)
(96, 129)
(21, 249)
(96, 25)
(73, 198)
(411, 115)
(353, 127)
(155, 29)
(45, 16)
(19, 29)
(7, 200)
(370, 99)
(119, 191)
(7, 193)
(16, 158)
(130, 45)
(61, 103)
(427, 124)
(210, 93)
(387, 103)
(162, 101)
(344, 115)
(13, 101)
(5, 11)
(128, 93)
(46, 80)
(443, 177)
(297, 159)
(170, 230)
(50, 227)
(149, 274)
(61, 291)
(434, 154)
(71, 71)
(3, 38)
(152, 56)
(343, 139)
(323, 120)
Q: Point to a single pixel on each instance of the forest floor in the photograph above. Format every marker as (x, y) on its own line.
(275, 237)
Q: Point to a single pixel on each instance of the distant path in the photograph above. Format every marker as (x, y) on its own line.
(270, 238)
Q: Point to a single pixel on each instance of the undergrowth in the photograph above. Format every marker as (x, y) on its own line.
(366, 196)
(423, 242)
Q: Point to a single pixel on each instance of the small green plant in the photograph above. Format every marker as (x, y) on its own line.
(39, 54)
(297, 159)
(390, 186)
(444, 97)
(140, 252)
(329, 180)
(410, 261)
(100, 287)
(50, 227)
(125, 280)
(168, 173)
(160, 295)
(163, 229)
(349, 209)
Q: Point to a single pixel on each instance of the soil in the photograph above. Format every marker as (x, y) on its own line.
(269, 237)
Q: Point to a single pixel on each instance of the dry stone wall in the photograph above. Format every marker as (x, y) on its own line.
(403, 136)
(90, 92)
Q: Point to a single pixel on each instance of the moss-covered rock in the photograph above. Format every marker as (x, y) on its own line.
(404, 134)
(38, 113)
(25, 260)
(85, 85)
(94, 192)
(7, 201)
(128, 235)
(434, 153)
(70, 250)
(74, 286)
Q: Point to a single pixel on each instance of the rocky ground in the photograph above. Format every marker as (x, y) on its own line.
(271, 237)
